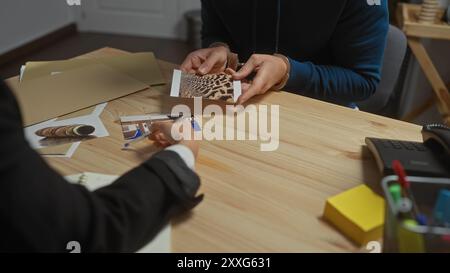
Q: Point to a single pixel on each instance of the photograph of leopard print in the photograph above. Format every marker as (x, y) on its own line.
(213, 86)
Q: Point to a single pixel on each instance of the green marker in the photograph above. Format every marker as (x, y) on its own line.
(396, 192)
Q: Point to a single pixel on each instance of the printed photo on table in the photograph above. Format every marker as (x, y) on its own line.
(213, 86)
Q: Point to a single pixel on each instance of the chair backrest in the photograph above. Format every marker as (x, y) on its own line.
(394, 55)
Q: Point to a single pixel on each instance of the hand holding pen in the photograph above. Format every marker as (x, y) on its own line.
(147, 135)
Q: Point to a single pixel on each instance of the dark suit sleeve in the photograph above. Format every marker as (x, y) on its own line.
(40, 211)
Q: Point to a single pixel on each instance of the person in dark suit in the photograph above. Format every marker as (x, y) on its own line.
(41, 212)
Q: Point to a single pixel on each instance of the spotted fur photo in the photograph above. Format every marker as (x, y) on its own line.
(213, 86)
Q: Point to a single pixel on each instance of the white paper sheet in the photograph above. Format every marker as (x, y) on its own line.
(92, 119)
(159, 244)
(22, 70)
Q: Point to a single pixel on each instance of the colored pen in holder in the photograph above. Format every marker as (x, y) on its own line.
(406, 232)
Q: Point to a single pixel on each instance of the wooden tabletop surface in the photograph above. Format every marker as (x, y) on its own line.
(255, 201)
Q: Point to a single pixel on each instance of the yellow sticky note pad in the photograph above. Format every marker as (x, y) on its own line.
(358, 213)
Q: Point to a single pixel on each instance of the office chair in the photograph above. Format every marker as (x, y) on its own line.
(394, 56)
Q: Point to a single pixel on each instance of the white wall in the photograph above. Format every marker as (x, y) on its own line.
(22, 21)
(153, 18)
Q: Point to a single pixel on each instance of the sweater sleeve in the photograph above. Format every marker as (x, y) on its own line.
(42, 212)
(357, 47)
(213, 30)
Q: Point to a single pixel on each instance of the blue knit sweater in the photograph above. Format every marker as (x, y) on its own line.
(335, 47)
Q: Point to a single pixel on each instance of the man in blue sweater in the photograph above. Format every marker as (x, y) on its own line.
(326, 49)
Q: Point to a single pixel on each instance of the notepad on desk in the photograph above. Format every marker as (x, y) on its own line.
(93, 181)
(358, 213)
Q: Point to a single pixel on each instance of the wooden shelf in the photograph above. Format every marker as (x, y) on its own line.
(408, 19)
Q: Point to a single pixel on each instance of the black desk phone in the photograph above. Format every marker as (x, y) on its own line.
(430, 158)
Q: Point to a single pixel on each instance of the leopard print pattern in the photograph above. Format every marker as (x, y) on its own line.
(212, 86)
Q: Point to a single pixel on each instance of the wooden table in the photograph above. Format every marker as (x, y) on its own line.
(256, 201)
(407, 15)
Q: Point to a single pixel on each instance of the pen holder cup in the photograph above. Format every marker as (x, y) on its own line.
(403, 235)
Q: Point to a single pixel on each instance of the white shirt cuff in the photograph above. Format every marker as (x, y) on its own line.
(185, 153)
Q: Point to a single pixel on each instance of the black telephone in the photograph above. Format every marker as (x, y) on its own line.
(430, 158)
